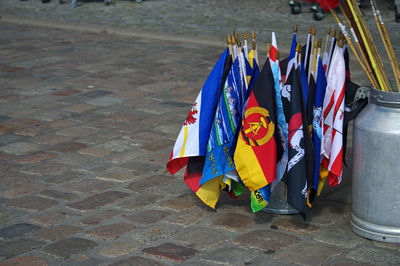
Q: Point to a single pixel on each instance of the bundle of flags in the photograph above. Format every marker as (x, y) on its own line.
(251, 128)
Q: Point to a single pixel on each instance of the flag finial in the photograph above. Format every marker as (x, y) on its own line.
(314, 31)
(309, 29)
(334, 33)
(329, 30)
(245, 35)
(295, 28)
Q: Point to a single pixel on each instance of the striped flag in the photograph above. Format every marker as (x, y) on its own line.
(333, 112)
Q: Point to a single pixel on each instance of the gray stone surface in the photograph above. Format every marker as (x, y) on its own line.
(91, 101)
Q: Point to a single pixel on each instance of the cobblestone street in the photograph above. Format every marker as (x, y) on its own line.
(92, 100)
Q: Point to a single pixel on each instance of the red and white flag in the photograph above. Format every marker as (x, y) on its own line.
(333, 113)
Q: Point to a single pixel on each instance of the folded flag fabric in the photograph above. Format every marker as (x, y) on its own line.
(258, 146)
(193, 137)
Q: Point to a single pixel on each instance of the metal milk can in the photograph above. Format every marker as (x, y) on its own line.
(376, 169)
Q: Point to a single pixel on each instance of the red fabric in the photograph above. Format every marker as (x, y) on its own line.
(326, 4)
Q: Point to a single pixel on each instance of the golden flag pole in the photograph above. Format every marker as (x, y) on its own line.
(363, 55)
(327, 39)
(229, 42)
(353, 49)
(245, 38)
(253, 42)
(370, 45)
(386, 42)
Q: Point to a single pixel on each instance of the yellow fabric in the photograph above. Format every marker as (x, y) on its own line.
(248, 167)
(185, 136)
(209, 192)
(323, 174)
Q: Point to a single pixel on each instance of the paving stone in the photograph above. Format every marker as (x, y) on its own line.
(32, 203)
(49, 139)
(98, 200)
(80, 108)
(171, 251)
(117, 145)
(77, 131)
(20, 148)
(159, 145)
(26, 260)
(117, 175)
(374, 256)
(111, 231)
(139, 201)
(310, 254)
(69, 147)
(105, 101)
(234, 222)
(68, 247)
(17, 230)
(340, 237)
(46, 168)
(118, 249)
(125, 116)
(62, 123)
(295, 226)
(9, 249)
(147, 217)
(123, 157)
(9, 138)
(32, 131)
(182, 202)
(136, 260)
(4, 118)
(86, 186)
(67, 92)
(96, 93)
(96, 152)
(203, 238)
(329, 212)
(65, 177)
(100, 217)
(52, 217)
(5, 129)
(224, 256)
(58, 232)
(101, 137)
(145, 183)
(139, 168)
(160, 157)
(19, 191)
(35, 158)
(82, 260)
(54, 194)
(188, 218)
(258, 239)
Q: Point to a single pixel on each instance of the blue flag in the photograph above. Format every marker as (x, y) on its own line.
(317, 121)
(227, 119)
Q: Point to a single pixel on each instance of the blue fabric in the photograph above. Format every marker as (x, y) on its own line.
(228, 117)
(317, 111)
(209, 99)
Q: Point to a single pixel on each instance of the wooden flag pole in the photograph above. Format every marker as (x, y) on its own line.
(353, 49)
(253, 41)
(386, 42)
(268, 48)
(298, 53)
(245, 38)
(371, 41)
(360, 48)
(375, 66)
(229, 42)
(312, 52)
(327, 39)
(375, 52)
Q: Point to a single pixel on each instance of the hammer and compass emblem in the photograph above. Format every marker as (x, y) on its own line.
(255, 127)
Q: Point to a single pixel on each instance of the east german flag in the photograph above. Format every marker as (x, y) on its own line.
(257, 147)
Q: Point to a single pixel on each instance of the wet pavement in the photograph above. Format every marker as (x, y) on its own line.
(92, 100)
